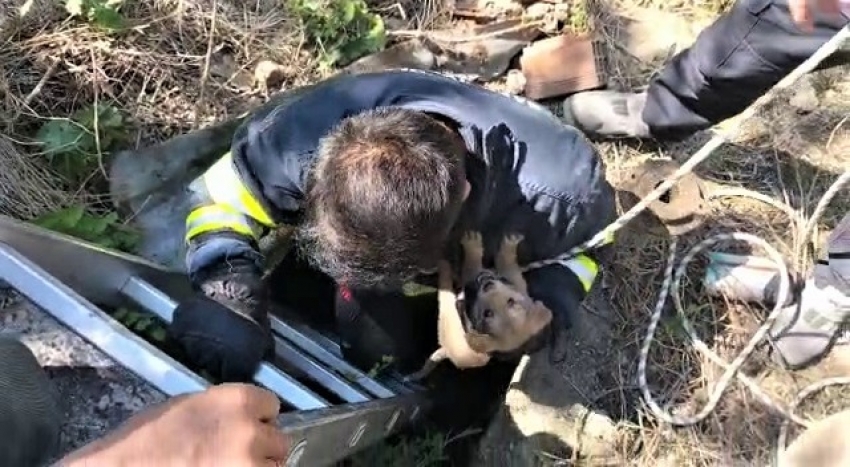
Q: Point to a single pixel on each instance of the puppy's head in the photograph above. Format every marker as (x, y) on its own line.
(497, 317)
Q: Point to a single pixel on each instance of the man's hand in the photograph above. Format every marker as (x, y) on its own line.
(226, 331)
(803, 11)
(230, 424)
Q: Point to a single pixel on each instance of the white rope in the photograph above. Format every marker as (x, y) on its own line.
(672, 284)
(673, 275)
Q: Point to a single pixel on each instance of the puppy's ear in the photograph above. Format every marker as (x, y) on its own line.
(480, 343)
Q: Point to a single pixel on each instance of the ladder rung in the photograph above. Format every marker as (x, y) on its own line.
(318, 373)
(305, 339)
(287, 388)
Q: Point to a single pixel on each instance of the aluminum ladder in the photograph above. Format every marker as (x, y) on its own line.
(335, 409)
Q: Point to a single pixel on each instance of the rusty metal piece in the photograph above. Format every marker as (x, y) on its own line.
(560, 65)
(681, 209)
(485, 51)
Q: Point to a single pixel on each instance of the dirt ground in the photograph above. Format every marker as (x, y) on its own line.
(180, 65)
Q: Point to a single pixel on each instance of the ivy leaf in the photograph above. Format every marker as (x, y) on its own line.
(349, 11)
(107, 18)
(143, 324)
(62, 137)
(63, 220)
(132, 318)
(158, 334)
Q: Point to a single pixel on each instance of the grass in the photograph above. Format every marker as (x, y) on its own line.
(168, 67)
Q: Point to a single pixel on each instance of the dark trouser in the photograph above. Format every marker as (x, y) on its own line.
(30, 417)
(732, 63)
(373, 324)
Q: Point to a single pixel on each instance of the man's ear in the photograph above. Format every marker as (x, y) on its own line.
(467, 188)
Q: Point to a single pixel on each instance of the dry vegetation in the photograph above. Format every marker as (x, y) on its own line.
(792, 152)
(180, 64)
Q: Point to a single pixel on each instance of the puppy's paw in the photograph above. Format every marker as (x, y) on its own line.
(511, 241)
(472, 243)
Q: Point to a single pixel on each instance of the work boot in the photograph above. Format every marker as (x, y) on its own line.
(607, 114)
(804, 332)
(30, 416)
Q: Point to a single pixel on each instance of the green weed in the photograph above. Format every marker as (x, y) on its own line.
(74, 146)
(344, 30)
(142, 323)
(104, 230)
(427, 450)
(103, 14)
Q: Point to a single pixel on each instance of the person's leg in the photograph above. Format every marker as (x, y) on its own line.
(371, 324)
(380, 325)
(30, 417)
(732, 62)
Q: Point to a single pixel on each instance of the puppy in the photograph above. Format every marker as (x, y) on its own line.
(495, 315)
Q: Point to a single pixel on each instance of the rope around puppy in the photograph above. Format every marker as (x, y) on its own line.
(672, 279)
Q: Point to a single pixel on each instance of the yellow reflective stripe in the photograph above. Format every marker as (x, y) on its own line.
(608, 239)
(225, 187)
(217, 217)
(584, 268)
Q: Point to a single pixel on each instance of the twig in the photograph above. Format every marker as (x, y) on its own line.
(206, 73)
(415, 34)
(38, 87)
(95, 118)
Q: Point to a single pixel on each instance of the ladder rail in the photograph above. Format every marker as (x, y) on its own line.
(95, 326)
(154, 300)
(323, 437)
(307, 342)
(65, 277)
(286, 387)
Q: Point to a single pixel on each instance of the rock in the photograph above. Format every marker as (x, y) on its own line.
(548, 409)
(539, 10)
(411, 54)
(515, 82)
(804, 96)
(650, 43)
(96, 394)
(269, 75)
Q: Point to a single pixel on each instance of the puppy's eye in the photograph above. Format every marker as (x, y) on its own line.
(488, 313)
(487, 286)
(511, 302)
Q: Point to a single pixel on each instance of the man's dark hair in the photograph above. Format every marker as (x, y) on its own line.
(384, 193)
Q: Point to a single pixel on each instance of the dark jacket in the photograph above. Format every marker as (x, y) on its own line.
(529, 172)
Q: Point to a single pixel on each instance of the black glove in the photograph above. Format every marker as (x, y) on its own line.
(226, 331)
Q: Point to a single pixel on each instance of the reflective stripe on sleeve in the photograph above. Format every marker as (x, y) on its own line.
(226, 188)
(584, 268)
(217, 217)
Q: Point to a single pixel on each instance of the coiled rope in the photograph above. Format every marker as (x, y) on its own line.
(673, 275)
